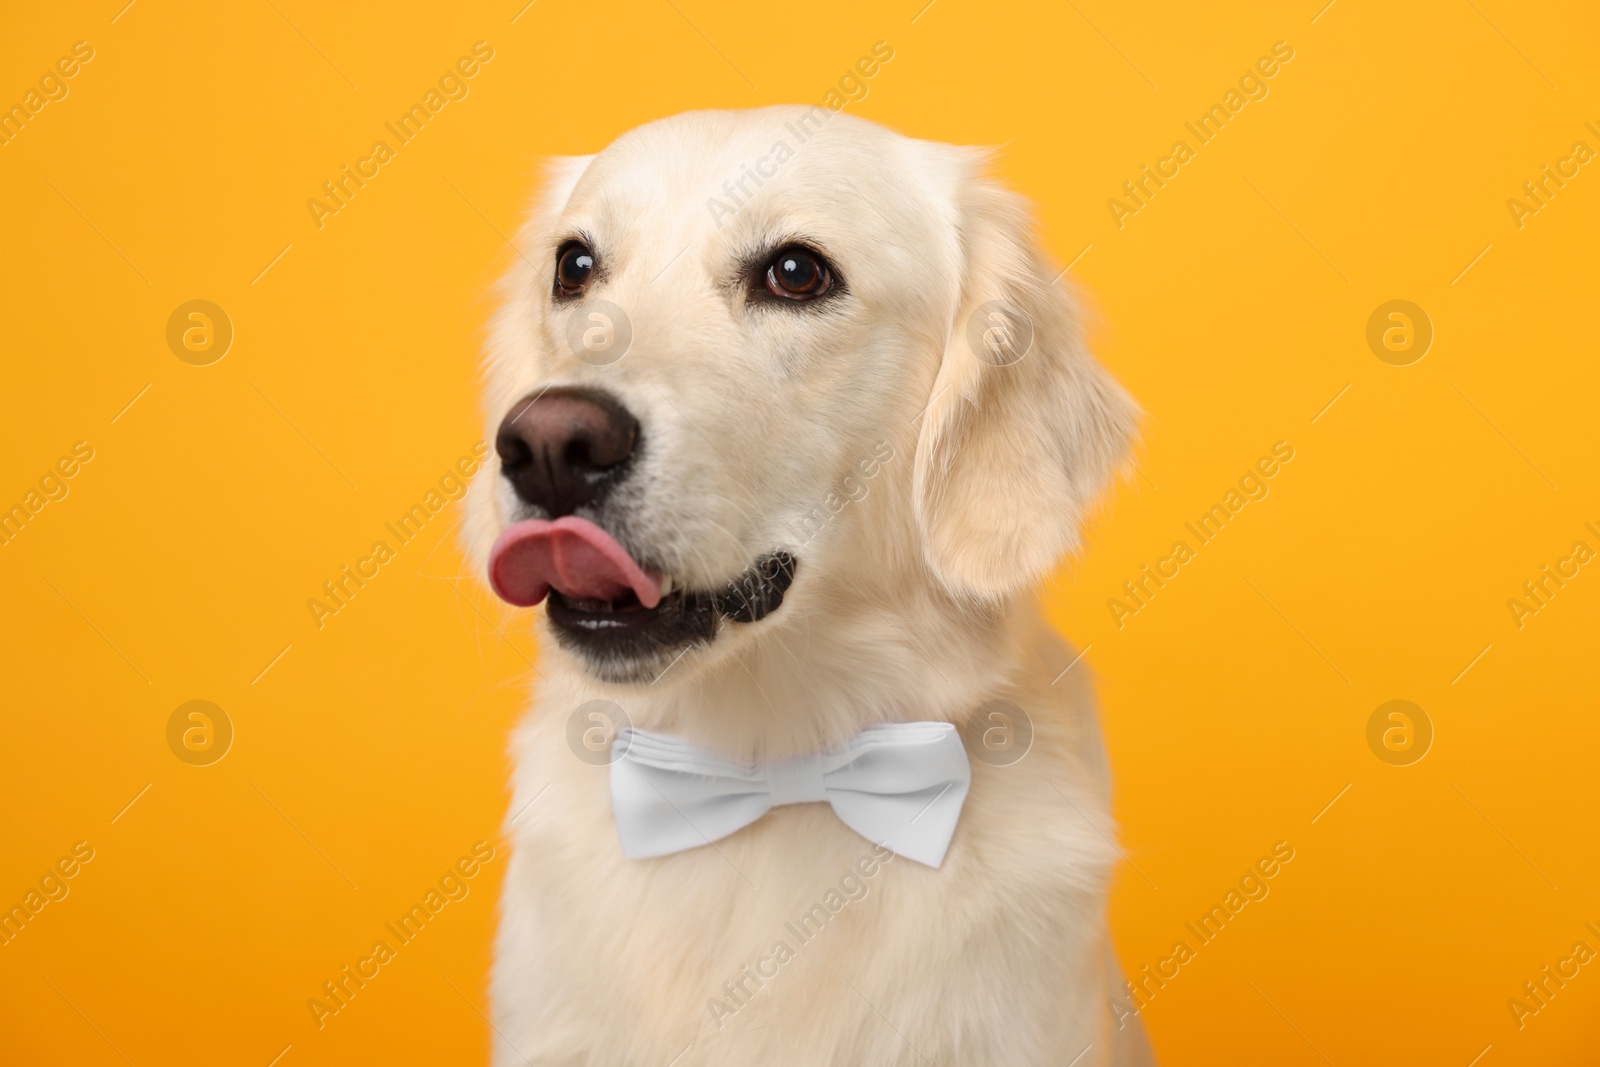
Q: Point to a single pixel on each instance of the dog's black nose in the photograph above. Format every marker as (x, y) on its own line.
(561, 447)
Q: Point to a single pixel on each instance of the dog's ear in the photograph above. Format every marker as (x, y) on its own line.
(1023, 428)
(561, 174)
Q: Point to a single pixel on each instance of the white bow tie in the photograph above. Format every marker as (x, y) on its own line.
(900, 785)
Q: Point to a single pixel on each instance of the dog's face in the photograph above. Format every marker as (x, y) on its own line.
(747, 353)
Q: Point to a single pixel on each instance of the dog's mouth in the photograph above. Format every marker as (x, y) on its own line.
(604, 603)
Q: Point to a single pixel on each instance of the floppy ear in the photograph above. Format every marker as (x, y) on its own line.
(1024, 428)
(561, 174)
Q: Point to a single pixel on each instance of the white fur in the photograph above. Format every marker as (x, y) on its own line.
(912, 603)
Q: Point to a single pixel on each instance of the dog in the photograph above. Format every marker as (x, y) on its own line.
(792, 416)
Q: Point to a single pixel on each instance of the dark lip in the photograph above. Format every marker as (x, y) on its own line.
(626, 631)
(625, 615)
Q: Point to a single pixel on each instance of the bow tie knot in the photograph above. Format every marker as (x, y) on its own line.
(901, 785)
(797, 781)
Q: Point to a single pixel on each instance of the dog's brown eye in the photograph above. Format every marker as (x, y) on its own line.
(574, 268)
(796, 274)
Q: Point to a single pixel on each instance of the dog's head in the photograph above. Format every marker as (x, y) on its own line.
(751, 356)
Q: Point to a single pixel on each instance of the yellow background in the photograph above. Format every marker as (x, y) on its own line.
(1234, 306)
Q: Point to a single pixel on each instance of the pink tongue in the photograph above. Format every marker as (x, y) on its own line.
(571, 555)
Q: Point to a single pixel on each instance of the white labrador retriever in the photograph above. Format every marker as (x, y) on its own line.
(791, 415)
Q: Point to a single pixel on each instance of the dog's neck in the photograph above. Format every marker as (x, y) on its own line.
(837, 658)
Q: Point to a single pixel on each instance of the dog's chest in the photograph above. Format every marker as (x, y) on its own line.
(795, 930)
